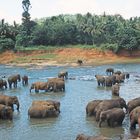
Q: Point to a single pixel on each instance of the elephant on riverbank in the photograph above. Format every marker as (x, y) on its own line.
(100, 80)
(9, 101)
(3, 83)
(56, 104)
(63, 74)
(6, 112)
(13, 80)
(43, 109)
(90, 108)
(85, 137)
(135, 119)
(109, 71)
(112, 116)
(132, 104)
(39, 86)
(56, 84)
(115, 89)
(25, 80)
(80, 62)
(109, 104)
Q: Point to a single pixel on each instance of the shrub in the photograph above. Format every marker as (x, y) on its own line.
(112, 47)
(6, 44)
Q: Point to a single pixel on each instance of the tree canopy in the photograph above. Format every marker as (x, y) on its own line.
(109, 31)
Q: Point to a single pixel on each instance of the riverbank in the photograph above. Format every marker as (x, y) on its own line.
(67, 57)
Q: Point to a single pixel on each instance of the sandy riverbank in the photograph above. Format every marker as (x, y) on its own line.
(66, 57)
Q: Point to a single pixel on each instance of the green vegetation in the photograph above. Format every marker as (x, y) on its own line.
(111, 32)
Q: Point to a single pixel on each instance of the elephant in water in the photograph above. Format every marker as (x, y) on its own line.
(56, 104)
(90, 108)
(6, 112)
(25, 80)
(133, 103)
(13, 80)
(43, 109)
(9, 101)
(109, 71)
(56, 84)
(63, 74)
(135, 119)
(100, 80)
(39, 86)
(112, 116)
(3, 83)
(115, 89)
(85, 137)
(109, 104)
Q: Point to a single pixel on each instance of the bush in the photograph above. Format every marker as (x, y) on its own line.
(112, 47)
(6, 44)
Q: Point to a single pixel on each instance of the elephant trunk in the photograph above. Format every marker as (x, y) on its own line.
(100, 122)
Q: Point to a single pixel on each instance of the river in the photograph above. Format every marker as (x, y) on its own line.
(80, 89)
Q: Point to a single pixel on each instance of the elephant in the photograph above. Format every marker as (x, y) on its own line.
(39, 86)
(42, 110)
(6, 112)
(90, 108)
(118, 78)
(80, 62)
(13, 80)
(9, 101)
(56, 104)
(112, 116)
(127, 75)
(109, 104)
(132, 104)
(110, 80)
(115, 89)
(63, 74)
(85, 137)
(3, 83)
(122, 75)
(100, 80)
(56, 84)
(25, 80)
(109, 71)
(117, 72)
(135, 119)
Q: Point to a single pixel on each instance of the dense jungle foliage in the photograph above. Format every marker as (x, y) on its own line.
(107, 31)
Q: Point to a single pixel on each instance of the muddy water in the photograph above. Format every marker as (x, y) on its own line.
(72, 119)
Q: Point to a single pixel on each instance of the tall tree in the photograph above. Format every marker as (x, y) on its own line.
(26, 5)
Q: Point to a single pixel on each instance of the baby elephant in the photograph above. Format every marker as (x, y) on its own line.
(25, 80)
(112, 116)
(115, 89)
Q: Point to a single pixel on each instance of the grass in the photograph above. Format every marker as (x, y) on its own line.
(27, 59)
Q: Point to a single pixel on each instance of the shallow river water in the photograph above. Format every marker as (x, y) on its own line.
(72, 119)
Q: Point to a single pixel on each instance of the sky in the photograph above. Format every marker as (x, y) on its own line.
(12, 10)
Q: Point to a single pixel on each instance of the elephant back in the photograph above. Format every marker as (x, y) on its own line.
(13, 78)
(133, 103)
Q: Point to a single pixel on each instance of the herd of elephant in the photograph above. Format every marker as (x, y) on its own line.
(111, 111)
(38, 109)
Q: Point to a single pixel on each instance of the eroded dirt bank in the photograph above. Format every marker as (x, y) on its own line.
(67, 56)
